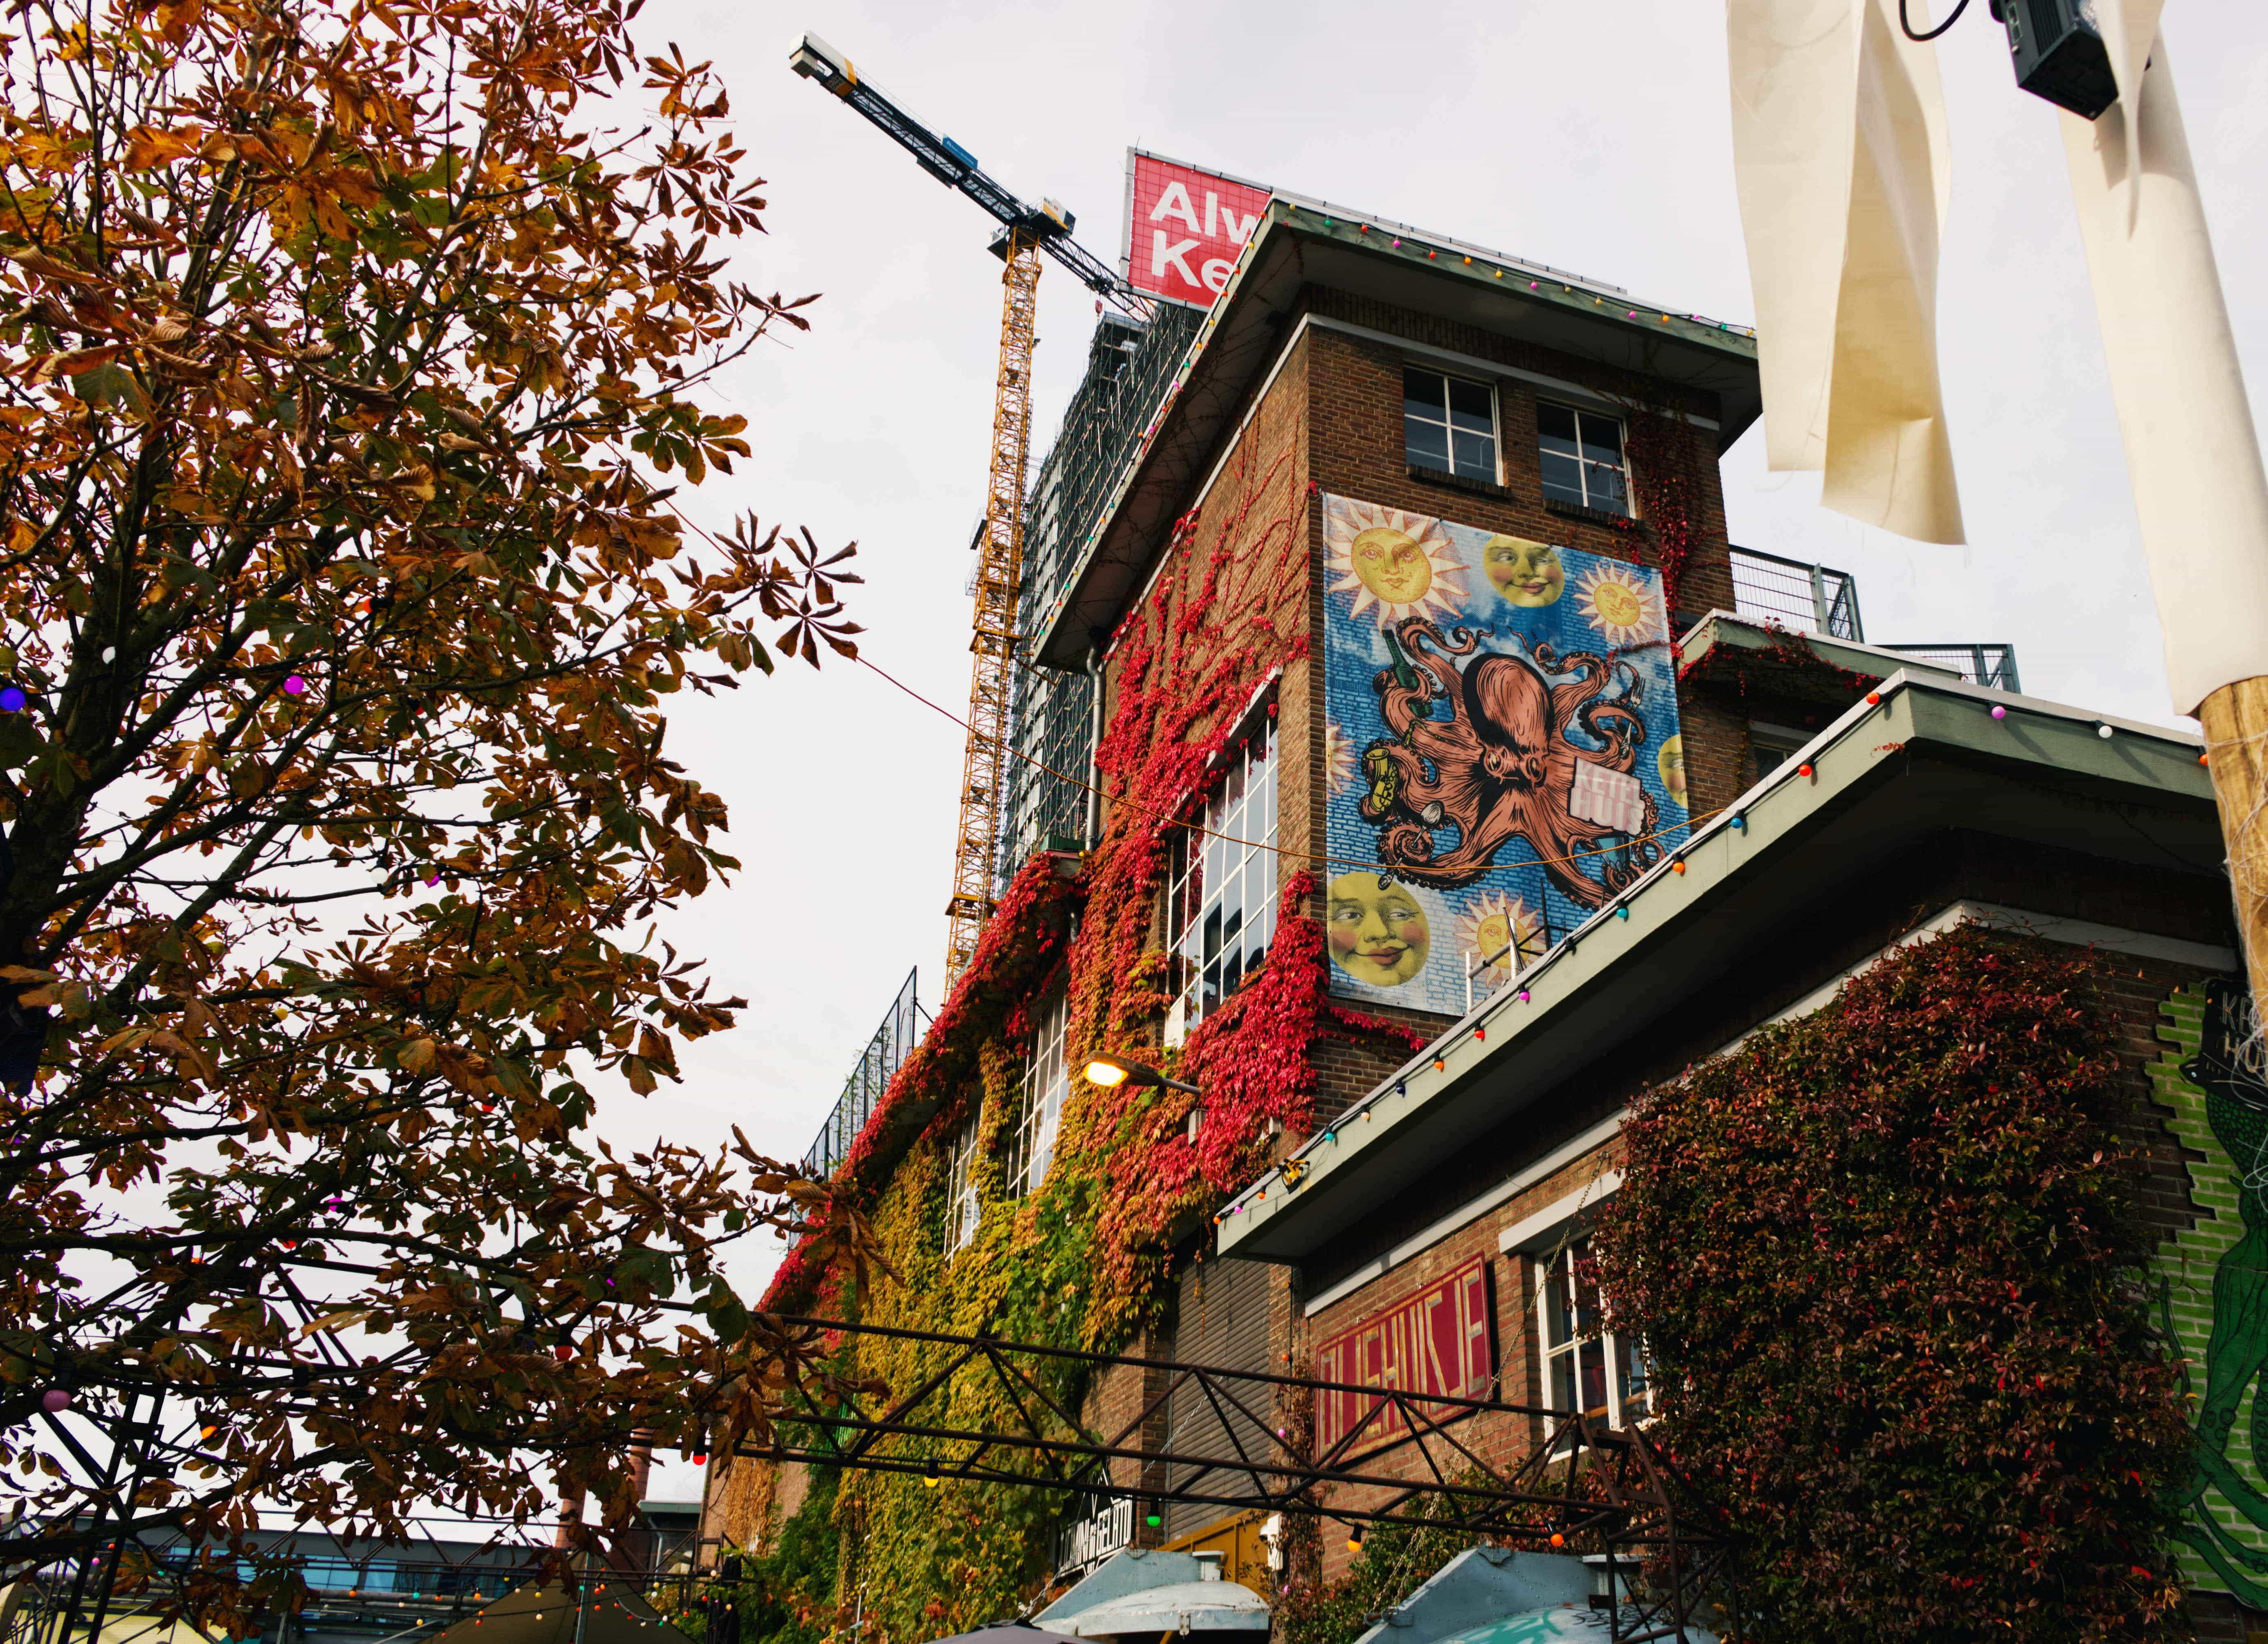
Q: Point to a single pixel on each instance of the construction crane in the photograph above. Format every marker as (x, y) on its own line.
(1025, 232)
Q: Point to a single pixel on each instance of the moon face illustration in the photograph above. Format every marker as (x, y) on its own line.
(1528, 574)
(1379, 931)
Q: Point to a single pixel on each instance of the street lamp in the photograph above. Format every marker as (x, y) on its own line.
(1109, 1071)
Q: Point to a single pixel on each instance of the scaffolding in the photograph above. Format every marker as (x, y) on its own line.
(1130, 369)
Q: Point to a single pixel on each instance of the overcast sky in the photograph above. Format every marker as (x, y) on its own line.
(1591, 136)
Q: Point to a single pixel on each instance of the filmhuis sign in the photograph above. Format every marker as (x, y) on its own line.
(1098, 1526)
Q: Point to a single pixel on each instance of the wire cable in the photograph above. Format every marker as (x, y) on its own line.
(1925, 38)
(1319, 857)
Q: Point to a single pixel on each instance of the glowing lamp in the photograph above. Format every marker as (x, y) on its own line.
(1112, 1071)
(1354, 1539)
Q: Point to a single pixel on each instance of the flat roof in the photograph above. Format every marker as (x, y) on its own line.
(1925, 755)
(1299, 244)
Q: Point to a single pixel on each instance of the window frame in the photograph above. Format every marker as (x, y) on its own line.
(1447, 425)
(1625, 505)
(1046, 1085)
(1624, 1375)
(963, 1210)
(1195, 855)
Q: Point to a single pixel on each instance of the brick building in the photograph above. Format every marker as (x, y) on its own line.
(1372, 1131)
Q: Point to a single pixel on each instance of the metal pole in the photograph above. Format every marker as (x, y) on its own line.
(1819, 596)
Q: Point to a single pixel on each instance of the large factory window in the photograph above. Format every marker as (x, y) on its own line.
(1221, 907)
(1449, 425)
(1585, 1369)
(1583, 458)
(962, 1209)
(1044, 1087)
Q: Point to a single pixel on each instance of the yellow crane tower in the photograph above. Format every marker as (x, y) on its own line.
(1025, 232)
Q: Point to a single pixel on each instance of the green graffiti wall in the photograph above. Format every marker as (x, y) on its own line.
(2214, 1296)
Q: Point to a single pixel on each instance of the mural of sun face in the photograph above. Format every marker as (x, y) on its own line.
(1621, 605)
(1404, 564)
(1379, 933)
(1503, 930)
(1338, 757)
(1526, 573)
(1671, 763)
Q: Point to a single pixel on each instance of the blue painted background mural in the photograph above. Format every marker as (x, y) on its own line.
(1501, 744)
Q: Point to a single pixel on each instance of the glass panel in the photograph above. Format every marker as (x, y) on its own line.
(1563, 478)
(1424, 444)
(1603, 440)
(1607, 491)
(1470, 408)
(1213, 935)
(1476, 458)
(1556, 426)
(1422, 394)
(1593, 1379)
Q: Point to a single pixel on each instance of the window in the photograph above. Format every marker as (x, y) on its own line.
(1449, 424)
(1602, 1375)
(961, 1209)
(1044, 1086)
(1771, 747)
(1220, 908)
(1583, 458)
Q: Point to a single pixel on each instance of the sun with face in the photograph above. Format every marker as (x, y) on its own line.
(1502, 929)
(1404, 564)
(1623, 607)
(1671, 763)
(1378, 932)
(1526, 573)
(1338, 757)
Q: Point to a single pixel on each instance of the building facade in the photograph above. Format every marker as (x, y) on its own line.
(1453, 779)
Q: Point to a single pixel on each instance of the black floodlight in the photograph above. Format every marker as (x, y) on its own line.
(2058, 53)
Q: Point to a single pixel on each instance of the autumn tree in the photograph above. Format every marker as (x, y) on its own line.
(353, 355)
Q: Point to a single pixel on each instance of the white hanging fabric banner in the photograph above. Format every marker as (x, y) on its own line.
(1840, 157)
(2191, 451)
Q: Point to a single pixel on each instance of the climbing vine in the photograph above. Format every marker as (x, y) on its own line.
(1083, 1260)
(1885, 1260)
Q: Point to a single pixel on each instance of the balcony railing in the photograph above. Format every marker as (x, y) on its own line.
(1812, 599)
(1994, 666)
(893, 1042)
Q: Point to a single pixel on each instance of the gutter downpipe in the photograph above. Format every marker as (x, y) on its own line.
(1094, 747)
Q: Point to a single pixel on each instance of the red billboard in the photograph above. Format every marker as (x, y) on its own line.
(1438, 1340)
(1185, 228)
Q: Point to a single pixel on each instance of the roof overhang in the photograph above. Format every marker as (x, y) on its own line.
(1298, 246)
(1924, 756)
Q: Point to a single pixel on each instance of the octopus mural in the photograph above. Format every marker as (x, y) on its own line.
(1501, 765)
(1501, 747)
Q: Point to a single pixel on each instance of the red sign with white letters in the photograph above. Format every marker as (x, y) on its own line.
(1185, 228)
(1439, 1341)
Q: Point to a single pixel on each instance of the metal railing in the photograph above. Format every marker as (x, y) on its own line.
(1813, 598)
(877, 1064)
(1994, 666)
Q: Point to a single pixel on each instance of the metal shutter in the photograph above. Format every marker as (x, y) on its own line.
(1220, 1321)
